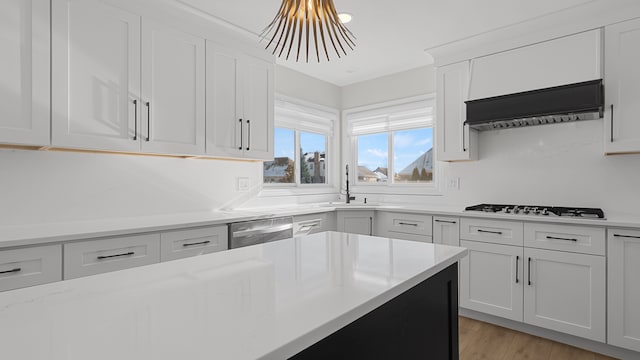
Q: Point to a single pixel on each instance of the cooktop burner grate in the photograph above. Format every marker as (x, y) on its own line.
(539, 210)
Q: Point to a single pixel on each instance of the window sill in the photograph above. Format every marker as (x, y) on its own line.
(427, 190)
(274, 191)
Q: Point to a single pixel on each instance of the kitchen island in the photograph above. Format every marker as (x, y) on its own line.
(317, 296)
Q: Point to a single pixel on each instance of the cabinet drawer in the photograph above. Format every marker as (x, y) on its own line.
(31, 266)
(493, 231)
(191, 242)
(312, 223)
(446, 230)
(100, 256)
(579, 239)
(414, 224)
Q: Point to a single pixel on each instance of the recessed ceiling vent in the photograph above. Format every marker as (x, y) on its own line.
(573, 102)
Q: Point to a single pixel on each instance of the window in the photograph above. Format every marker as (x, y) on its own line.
(393, 145)
(302, 146)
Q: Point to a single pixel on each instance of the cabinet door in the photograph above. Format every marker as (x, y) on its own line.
(173, 91)
(257, 108)
(624, 289)
(622, 84)
(224, 102)
(452, 136)
(491, 279)
(566, 292)
(446, 230)
(96, 76)
(24, 74)
(355, 222)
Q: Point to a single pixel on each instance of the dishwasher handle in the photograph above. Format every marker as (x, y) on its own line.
(262, 230)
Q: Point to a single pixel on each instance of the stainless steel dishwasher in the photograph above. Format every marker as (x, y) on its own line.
(259, 231)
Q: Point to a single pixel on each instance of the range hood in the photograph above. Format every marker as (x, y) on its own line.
(573, 102)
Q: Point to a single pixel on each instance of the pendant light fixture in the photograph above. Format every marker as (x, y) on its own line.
(299, 23)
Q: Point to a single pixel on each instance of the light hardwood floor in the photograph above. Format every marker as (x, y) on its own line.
(480, 340)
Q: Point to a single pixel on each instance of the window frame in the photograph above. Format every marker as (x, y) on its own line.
(350, 149)
(332, 153)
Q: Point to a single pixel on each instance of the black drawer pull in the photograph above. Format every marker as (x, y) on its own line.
(11, 271)
(559, 238)
(117, 255)
(198, 243)
(490, 232)
(410, 224)
(529, 272)
(445, 221)
(627, 236)
(517, 266)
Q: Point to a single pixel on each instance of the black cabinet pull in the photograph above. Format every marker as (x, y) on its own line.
(135, 120)
(248, 134)
(490, 232)
(410, 224)
(627, 236)
(445, 221)
(198, 243)
(517, 266)
(370, 225)
(464, 145)
(559, 238)
(130, 253)
(148, 121)
(11, 271)
(611, 122)
(529, 272)
(241, 134)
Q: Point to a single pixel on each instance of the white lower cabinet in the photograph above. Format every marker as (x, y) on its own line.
(566, 292)
(624, 288)
(180, 244)
(355, 221)
(99, 256)
(491, 279)
(30, 266)
(446, 230)
(404, 226)
(563, 290)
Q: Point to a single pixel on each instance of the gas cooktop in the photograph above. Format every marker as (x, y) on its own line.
(538, 210)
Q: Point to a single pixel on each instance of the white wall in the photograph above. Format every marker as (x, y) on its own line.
(418, 81)
(43, 187)
(297, 85)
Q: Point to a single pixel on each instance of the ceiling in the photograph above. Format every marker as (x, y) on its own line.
(391, 34)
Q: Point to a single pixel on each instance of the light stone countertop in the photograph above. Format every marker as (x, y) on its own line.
(267, 301)
(26, 235)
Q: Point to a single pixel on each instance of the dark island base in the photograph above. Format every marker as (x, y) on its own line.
(421, 323)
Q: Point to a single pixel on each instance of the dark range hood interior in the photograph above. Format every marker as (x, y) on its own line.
(573, 102)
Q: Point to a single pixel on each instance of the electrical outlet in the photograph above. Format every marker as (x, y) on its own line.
(453, 183)
(243, 184)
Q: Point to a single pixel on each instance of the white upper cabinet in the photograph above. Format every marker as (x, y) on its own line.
(240, 104)
(24, 74)
(96, 76)
(173, 90)
(566, 60)
(122, 86)
(622, 88)
(454, 140)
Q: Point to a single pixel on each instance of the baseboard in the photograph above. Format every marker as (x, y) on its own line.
(578, 342)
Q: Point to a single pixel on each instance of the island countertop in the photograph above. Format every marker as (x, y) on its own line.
(267, 301)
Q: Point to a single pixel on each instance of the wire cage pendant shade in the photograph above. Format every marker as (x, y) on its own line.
(308, 21)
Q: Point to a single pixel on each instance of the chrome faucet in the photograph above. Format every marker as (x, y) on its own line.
(349, 197)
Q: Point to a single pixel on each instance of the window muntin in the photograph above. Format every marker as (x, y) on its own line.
(282, 169)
